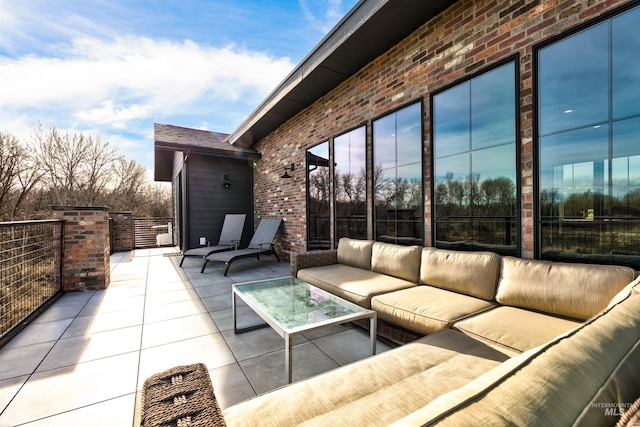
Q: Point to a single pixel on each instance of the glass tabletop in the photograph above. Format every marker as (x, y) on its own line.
(293, 304)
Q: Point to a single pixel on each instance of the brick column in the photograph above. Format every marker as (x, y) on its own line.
(86, 262)
(121, 231)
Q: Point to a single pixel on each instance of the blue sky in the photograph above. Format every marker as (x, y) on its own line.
(115, 67)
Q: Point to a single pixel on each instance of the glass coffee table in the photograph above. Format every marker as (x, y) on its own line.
(293, 307)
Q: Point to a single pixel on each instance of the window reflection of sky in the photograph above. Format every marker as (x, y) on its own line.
(567, 69)
(350, 151)
(589, 149)
(626, 64)
(474, 127)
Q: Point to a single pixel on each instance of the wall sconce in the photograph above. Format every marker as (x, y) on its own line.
(288, 168)
(225, 180)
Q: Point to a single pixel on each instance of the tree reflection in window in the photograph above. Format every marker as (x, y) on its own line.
(318, 197)
(397, 176)
(475, 163)
(589, 143)
(350, 184)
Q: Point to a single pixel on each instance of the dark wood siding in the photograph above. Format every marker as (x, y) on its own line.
(209, 200)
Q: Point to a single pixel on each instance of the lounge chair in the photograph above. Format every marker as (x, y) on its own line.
(261, 243)
(229, 238)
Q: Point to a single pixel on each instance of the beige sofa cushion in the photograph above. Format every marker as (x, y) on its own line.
(373, 392)
(425, 309)
(352, 283)
(571, 380)
(397, 261)
(514, 329)
(356, 253)
(470, 273)
(573, 290)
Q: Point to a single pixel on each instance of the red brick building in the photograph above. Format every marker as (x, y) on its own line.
(511, 126)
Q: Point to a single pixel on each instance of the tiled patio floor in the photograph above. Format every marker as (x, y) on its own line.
(83, 362)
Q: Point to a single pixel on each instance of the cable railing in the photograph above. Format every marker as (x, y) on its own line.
(30, 271)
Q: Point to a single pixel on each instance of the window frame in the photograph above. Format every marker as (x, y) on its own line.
(565, 35)
(515, 60)
(418, 101)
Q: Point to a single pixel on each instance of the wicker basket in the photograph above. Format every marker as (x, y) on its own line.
(180, 397)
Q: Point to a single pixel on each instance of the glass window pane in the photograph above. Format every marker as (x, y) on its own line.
(384, 147)
(409, 135)
(397, 180)
(626, 64)
(626, 168)
(575, 73)
(318, 219)
(350, 185)
(493, 112)
(452, 120)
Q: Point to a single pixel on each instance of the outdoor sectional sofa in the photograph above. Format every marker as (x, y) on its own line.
(504, 341)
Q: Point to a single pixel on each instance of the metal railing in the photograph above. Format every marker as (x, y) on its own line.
(150, 232)
(30, 271)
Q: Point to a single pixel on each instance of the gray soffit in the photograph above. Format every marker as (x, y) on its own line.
(370, 29)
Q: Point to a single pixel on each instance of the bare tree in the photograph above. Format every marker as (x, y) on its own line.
(77, 166)
(129, 180)
(19, 174)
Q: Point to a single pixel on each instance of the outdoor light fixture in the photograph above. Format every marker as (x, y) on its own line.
(288, 168)
(225, 180)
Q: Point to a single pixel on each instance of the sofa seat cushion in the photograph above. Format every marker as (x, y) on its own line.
(513, 328)
(426, 309)
(352, 283)
(373, 392)
(581, 378)
(563, 289)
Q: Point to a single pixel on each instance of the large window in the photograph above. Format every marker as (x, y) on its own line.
(589, 142)
(318, 199)
(397, 177)
(474, 145)
(350, 184)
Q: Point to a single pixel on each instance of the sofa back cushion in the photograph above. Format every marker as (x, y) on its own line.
(356, 253)
(470, 273)
(402, 262)
(573, 290)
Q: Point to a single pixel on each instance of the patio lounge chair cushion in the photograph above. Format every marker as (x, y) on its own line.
(230, 237)
(426, 309)
(572, 290)
(351, 283)
(368, 392)
(261, 242)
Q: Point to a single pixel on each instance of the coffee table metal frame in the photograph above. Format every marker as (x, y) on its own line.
(288, 332)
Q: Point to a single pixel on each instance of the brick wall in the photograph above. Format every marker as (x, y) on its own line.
(121, 231)
(86, 262)
(464, 39)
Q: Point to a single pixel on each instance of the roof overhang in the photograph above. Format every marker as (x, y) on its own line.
(369, 29)
(170, 139)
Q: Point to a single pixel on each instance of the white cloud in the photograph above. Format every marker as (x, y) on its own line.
(115, 81)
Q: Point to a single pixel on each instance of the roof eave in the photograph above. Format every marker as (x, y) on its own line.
(369, 29)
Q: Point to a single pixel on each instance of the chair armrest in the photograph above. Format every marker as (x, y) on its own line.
(300, 260)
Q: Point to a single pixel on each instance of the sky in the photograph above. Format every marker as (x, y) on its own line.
(115, 67)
